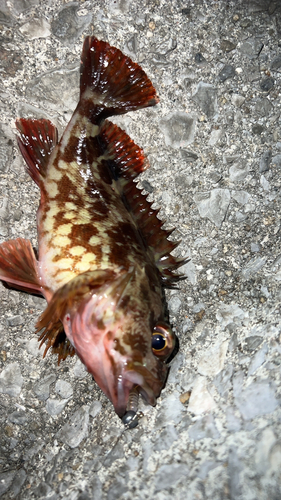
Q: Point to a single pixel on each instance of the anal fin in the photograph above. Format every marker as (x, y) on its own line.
(18, 266)
(36, 141)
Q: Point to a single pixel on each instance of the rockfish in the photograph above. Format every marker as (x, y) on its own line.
(103, 256)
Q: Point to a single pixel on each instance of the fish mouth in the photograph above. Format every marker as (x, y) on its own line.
(135, 375)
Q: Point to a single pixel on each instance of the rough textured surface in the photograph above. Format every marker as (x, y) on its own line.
(214, 144)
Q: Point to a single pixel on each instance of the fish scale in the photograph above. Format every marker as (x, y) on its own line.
(104, 258)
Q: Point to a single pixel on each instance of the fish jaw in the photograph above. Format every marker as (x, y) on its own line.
(98, 330)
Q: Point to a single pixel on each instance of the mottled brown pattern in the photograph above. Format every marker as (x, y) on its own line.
(82, 233)
(84, 149)
(66, 188)
(137, 342)
(104, 172)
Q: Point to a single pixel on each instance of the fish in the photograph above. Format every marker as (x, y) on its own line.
(103, 259)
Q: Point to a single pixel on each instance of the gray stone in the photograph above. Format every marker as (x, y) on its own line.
(74, 431)
(37, 28)
(5, 15)
(226, 72)
(67, 25)
(18, 482)
(252, 342)
(21, 6)
(211, 361)
(258, 359)
(234, 469)
(257, 129)
(206, 98)
(256, 400)
(95, 408)
(204, 427)
(178, 129)
(147, 186)
(276, 161)
(199, 58)
(233, 423)
(55, 406)
(222, 381)
(213, 205)
(132, 45)
(251, 47)
(63, 389)
(18, 417)
(172, 409)
(227, 46)
(166, 438)
(188, 156)
(6, 479)
(215, 136)
(159, 59)
(263, 107)
(187, 325)
(253, 267)
(242, 197)
(53, 87)
(6, 150)
(265, 161)
(174, 304)
(255, 247)
(42, 386)
(169, 475)
(275, 63)
(15, 320)
(11, 380)
(227, 314)
(238, 171)
(189, 270)
(115, 453)
(267, 84)
(205, 468)
(80, 370)
(237, 100)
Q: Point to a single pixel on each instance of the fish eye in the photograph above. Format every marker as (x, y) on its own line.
(158, 342)
(163, 341)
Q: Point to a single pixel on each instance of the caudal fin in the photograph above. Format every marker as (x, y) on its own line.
(112, 80)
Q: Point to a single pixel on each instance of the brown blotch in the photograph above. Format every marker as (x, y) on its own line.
(119, 348)
(65, 188)
(82, 149)
(82, 232)
(104, 172)
(137, 342)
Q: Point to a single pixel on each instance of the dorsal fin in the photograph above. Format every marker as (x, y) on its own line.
(122, 154)
(154, 235)
(36, 140)
(127, 161)
(112, 80)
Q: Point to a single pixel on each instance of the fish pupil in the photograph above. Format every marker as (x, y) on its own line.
(158, 342)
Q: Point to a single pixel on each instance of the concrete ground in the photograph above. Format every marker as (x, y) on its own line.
(214, 145)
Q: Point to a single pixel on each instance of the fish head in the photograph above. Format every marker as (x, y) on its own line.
(120, 335)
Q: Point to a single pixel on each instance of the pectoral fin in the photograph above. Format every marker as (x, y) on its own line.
(50, 326)
(18, 266)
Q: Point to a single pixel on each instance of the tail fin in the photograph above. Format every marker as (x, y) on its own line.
(112, 80)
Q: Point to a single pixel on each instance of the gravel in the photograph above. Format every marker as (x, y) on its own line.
(214, 146)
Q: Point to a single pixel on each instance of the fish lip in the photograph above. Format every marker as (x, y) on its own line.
(136, 375)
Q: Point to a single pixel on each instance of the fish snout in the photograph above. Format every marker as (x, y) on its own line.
(136, 377)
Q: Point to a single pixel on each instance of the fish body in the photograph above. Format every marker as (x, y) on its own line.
(103, 257)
